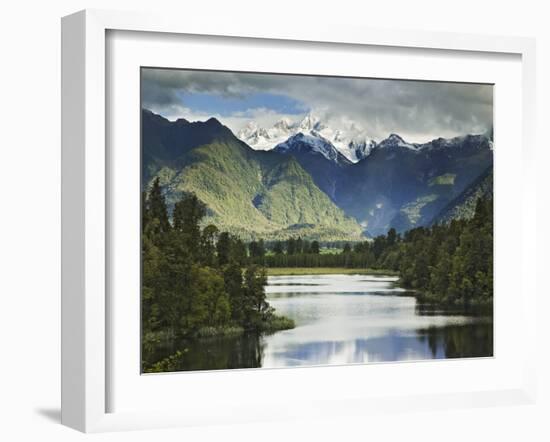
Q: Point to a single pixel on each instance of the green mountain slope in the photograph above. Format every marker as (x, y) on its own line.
(464, 205)
(248, 193)
(399, 184)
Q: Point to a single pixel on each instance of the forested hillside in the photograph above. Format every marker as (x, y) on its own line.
(246, 192)
(464, 205)
(305, 186)
(448, 264)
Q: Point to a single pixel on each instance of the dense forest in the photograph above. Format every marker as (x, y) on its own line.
(193, 283)
(198, 282)
(449, 264)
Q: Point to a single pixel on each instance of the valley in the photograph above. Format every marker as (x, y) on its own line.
(305, 185)
(300, 220)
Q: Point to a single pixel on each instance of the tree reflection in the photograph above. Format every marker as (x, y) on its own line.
(459, 341)
(218, 353)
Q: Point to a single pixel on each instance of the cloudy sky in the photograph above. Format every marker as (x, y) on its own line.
(418, 111)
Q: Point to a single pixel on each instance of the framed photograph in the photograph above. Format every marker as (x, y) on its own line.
(264, 224)
(287, 223)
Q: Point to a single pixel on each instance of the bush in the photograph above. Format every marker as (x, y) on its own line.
(275, 323)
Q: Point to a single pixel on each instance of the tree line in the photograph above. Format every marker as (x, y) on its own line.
(449, 264)
(196, 282)
(200, 282)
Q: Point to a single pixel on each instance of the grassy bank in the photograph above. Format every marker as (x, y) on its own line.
(176, 361)
(277, 323)
(291, 271)
(272, 324)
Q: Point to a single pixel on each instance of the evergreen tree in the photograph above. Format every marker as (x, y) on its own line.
(188, 212)
(233, 280)
(223, 248)
(208, 302)
(290, 246)
(156, 208)
(378, 246)
(278, 248)
(145, 212)
(255, 280)
(253, 249)
(208, 245)
(192, 282)
(256, 249)
(238, 251)
(299, 246)
(391, 238)
(315, 247)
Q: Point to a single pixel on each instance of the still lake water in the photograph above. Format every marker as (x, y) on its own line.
(343, 319)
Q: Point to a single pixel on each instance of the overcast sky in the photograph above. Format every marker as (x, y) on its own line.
(418, 111)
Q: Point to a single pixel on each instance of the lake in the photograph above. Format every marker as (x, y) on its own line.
(346, 319)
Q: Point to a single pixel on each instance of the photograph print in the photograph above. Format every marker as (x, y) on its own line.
(295, 220)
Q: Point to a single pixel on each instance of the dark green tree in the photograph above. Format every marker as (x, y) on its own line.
(391, 238)
(233, 279)
(255, 280)
(209, 304)
(238, 252)
(278, 248)
(299, 246)
(290, 246)
(223, 248)
(208, 245)
(315, 247)
(256, 249)
(188, 212)
(156, 208)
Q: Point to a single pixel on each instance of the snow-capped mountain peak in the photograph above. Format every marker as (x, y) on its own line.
(310, 122)
(479, 141)
(395, 140)
(350, 141)
(260, 138)
(284, 124)
(360, 149)
(316, 144)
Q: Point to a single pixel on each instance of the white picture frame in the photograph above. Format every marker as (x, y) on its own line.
(86, 202)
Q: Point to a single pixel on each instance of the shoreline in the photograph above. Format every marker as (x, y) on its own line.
(299, 271)
(170, 362)
(426, 301)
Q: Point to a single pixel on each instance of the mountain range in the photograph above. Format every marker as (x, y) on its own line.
(352, 142)
(309, 180)
(403, 186)
(247, 192)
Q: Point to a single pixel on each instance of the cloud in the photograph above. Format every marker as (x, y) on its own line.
(417, 110)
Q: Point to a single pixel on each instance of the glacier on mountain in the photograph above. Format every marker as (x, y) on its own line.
(351, 142)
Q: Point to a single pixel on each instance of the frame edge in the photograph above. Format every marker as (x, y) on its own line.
(73, 80)
(83, 206)
(83, 373)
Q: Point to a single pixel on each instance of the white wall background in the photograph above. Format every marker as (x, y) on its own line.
(30, 215)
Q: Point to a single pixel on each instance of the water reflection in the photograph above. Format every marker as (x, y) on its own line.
(343, 319)
(214, 353)
(475, 340)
